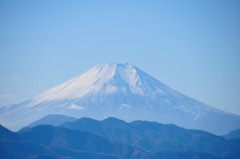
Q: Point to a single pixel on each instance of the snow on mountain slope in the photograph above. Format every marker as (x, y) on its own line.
(123, 91)
(91, 82)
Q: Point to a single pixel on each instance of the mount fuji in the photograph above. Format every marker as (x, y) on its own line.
(123, 91)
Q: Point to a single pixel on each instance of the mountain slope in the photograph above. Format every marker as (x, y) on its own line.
(153, 137)
(55, 143)
(123, 91)
(233, 135)
(181, 155)
(50, 142)
(52, 119)
(15, 146)
(62, 139)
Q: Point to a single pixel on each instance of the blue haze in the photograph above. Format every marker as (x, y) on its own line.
(191, 46)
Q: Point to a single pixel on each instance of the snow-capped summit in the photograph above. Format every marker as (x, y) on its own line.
(99, 78)
(123, 91)
(103, 80)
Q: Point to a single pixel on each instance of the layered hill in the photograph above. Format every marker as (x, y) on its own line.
(50, 142)
(233, 135)
(114, 139)
(155, 137)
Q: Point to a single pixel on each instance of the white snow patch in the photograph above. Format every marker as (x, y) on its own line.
(129, 74)
(109, 89)
(159, 91)
(78, 107)
(125, 106)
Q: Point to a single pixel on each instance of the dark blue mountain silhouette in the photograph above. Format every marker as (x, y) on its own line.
(233, 135)
(153, 137)
(62, 140)
(14, 146)
(114, 139)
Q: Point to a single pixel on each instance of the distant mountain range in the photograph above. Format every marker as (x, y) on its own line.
(138, 139)
(154, 137)
(52, 119)
(122, 91)
(233, 135)
(49, 142)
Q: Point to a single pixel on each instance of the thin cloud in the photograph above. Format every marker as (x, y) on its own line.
(50, 74)
(4, 96)
(15, 77)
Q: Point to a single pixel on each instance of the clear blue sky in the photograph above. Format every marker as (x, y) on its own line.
(191, 46)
